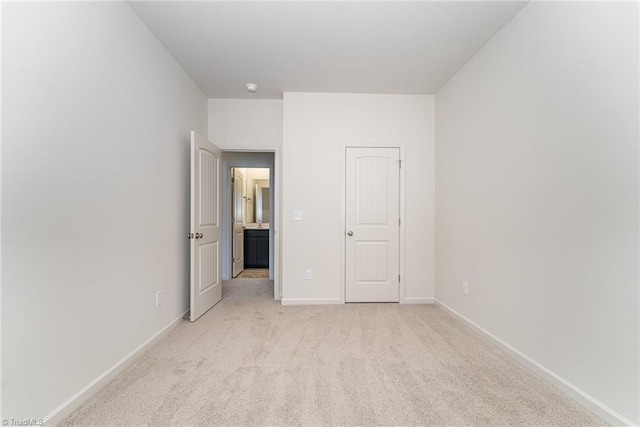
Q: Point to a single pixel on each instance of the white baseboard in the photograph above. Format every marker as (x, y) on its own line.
(311, 301)
(90, 389)
(324, 301)
(594, 405)
(410, 300)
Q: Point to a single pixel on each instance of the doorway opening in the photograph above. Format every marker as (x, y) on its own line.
(251, 221)
(249, 217)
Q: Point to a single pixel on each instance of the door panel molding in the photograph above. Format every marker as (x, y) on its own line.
(377, 249)
(205, 231)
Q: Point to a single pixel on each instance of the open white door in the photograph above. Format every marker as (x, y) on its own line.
(372, 224)
(238, 222)
(206, 286)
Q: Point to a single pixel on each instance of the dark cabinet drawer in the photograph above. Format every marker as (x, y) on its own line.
(256, 248)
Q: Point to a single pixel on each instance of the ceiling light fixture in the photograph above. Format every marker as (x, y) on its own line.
(251, 87)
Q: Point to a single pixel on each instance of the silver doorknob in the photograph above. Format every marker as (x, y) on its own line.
(350, 233)
(198, 235)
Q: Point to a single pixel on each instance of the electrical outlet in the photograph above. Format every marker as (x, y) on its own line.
(308, 274)
(465, 288)
(158, 298)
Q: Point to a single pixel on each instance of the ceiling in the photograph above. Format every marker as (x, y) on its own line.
(307, 46)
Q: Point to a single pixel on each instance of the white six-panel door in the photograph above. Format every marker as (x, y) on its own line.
(206, 286)
(238, 222)
(372, 202)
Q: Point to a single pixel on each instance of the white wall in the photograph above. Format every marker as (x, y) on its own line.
(95, 195)
(258, 173)
(245, 123)
(316, 128)
(537, 193)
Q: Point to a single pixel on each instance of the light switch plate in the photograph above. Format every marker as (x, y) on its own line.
(298, 215)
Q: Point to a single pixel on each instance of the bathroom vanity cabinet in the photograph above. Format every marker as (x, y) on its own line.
(256, 248)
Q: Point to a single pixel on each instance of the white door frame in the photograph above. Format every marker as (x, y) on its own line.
(343, 210)
(275, 227)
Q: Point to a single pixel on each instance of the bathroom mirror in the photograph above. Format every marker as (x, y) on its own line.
(262, 204)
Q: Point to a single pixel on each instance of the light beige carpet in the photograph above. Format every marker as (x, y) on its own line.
(251, 361)
(254, 273)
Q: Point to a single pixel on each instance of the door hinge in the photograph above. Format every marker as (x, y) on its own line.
(399, 164)
(233, 180)
(233, 259)
(399, 221)
(398, 278)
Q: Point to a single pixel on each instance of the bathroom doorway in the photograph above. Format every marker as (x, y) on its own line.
(250, 189)
(250, 217)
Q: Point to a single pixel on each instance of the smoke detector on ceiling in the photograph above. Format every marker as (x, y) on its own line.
(251, 87)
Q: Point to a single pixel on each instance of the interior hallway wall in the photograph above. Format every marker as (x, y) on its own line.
(316, 127)
(248, 124)
(245, 123)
